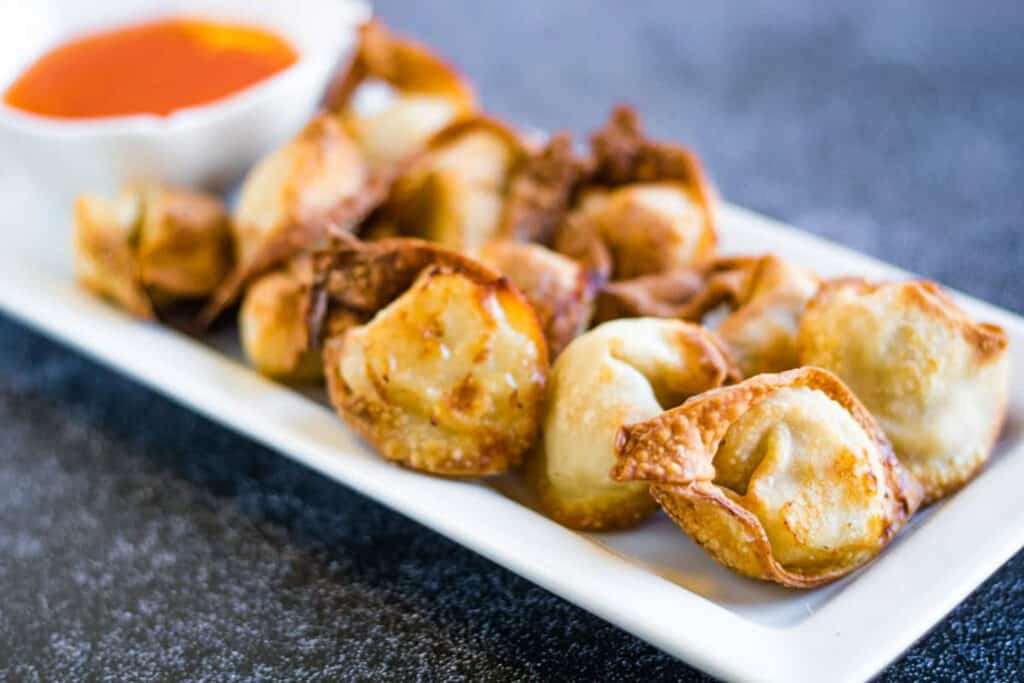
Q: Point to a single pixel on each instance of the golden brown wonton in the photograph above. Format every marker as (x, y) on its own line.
(427, 94)
(560, 290)
(765, 296)
(454, 192)
(620, 372)
(646, 207)
(448, 375)
(288, 200)
(935, 379)
(151, 245)
(273, 323)
(782, 477)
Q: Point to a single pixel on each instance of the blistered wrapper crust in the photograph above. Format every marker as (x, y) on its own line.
(782, 477)
(449, 376)
(936, 380)
(620, 372)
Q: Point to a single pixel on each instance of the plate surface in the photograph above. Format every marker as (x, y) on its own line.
(650, 581)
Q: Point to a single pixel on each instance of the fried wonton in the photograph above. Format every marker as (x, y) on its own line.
(151, 245)
(448, 375)
(646, 205)
(661, 295)
(620, 372)
(419, 95)
(560, 290)
(541, 190)
(781, 477)
(454, 193)
(288, 200)
(273, 323)
(765, 297)
(935, 379)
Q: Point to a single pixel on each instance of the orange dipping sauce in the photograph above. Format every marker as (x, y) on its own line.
(152, 68)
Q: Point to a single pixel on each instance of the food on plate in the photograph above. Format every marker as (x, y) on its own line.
(541, 191)
(430, 263)
(454, 192)
(448, 374)
(647, 228)
(418, 94)
(288, 200)
(659, 295)
(783, 477)
(151, 245)
(273, 323)
(620, 372)
(560, 290)
(936, 380)
(646, 207)
(765, 297)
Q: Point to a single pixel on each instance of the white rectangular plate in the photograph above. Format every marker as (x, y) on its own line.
(651, 581)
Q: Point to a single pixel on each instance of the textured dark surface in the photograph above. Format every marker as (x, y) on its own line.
(140, 542)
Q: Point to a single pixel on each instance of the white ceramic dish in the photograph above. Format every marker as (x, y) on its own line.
(650, 581)
(209, 145)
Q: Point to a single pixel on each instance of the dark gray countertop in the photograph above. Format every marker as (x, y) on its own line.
(141, 542)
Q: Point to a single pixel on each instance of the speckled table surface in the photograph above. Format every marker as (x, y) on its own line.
(141, 542)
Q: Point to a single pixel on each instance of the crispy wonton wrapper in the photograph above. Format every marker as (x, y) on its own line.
(541, 191)
(448, 375)
(646, 207)
(782, 477)
(765, 296)
(427, 94)
(661, 295)
(560, 290)
(453, 193)
(936, 380)
(620, 372)
(273, 323)
(151, 246)
(289, 199)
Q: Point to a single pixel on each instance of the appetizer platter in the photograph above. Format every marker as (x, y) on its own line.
(767, 455)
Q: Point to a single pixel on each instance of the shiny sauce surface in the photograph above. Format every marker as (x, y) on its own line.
(152, 68)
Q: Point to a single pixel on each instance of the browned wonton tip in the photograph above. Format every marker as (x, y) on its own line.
(299, 228)
(643, 208)
(363, 277)
(623, 154)
(403, 63)
(540, 191)
(660, 295)
(726, 280)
